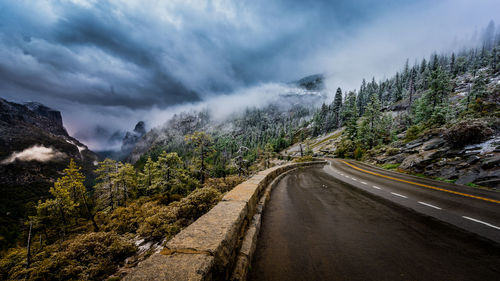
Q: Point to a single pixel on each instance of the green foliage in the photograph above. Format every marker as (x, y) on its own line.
(345, 148)
(166, 221)
(68, 195)
(470, 184)
(307, 158)
(358, 153)
(391, 151)
(412, 133)
(224, 185)
(203, 147)
(447, 180)
(117, 182)
(391, 166)
(350, 115)
(13, 264)
(90, 256)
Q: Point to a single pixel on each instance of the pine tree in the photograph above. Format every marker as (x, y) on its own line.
(169, 165)
(126, 183)
(69, 196)
(203, 148)
(106, 189)
(350, 116)
(370, 125)
(360, 99)
(73, 181)
(147, 177)
(337, 106)
(398, 94)
(452, 65)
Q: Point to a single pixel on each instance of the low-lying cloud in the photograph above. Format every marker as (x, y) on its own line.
(38, 153)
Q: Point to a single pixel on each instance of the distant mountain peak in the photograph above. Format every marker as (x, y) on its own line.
(315, 82)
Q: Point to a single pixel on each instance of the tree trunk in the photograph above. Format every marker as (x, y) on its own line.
(28, 247)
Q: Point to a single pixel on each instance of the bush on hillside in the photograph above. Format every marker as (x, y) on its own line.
(91, 256)
(165, 221)
(412, 133)
(223, 184)
(307, 158)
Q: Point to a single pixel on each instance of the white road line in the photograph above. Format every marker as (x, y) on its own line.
(485, 223)
(354, 179)
(376, 187)
(397, 194)
(363, 182)
(429, 205)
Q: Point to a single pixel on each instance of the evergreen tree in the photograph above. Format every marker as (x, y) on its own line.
(147, 177)
(398, 93)
(73, 181)
(361, 98)
(350, 116)
(369, 132)
(126, 183)
(106, 189)
(337, 106)
(203, 148)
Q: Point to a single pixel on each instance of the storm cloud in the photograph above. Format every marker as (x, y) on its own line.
(114, 62)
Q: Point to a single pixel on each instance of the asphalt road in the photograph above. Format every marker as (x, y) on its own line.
(320, 225)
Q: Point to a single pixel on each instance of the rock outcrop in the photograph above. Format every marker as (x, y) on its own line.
(35, 148)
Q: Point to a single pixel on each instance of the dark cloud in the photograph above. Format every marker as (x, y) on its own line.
(111, 62)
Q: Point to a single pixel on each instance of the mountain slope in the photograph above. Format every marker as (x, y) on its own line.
(35, 148)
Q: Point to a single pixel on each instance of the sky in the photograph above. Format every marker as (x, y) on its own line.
(108, 64)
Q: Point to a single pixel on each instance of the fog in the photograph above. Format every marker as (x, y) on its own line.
(35, 153)
(108, 64)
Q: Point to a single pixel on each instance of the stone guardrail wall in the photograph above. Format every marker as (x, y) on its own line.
(220, 244)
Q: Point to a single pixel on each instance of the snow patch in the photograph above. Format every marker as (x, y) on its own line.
(80, 148)
(484, 147)
(38, 153)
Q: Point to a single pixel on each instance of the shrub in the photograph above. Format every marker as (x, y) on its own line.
(391, 151)
(390, 166)
(159, 221)
(91, 256)
(344, 149)
(307, 158)
(198, 203)
(467, 132)
(123, 219)
(358, 153)
(223, 184)
(166, 221)
(412, 133)
(13, 264)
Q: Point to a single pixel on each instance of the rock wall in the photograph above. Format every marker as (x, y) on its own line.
(219, 245)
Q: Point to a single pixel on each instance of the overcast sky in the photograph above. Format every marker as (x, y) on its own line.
(114, 62)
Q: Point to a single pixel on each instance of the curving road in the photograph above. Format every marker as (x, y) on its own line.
(350, 221)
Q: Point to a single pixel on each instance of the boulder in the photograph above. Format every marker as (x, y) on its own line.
(449, 172)
(473, 159)
(412, 145)
(418, 162)
(433, 144)
(467, 177)
(491, 162)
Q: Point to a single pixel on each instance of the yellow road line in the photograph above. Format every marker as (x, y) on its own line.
(425, 185)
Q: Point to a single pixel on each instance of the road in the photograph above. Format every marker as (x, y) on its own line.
(321, 225)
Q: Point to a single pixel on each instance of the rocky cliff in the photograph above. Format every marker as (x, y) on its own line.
(35, 148)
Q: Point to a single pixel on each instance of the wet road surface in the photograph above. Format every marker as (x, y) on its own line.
(317, 227)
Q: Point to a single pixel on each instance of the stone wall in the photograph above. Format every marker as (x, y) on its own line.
(219, 245)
